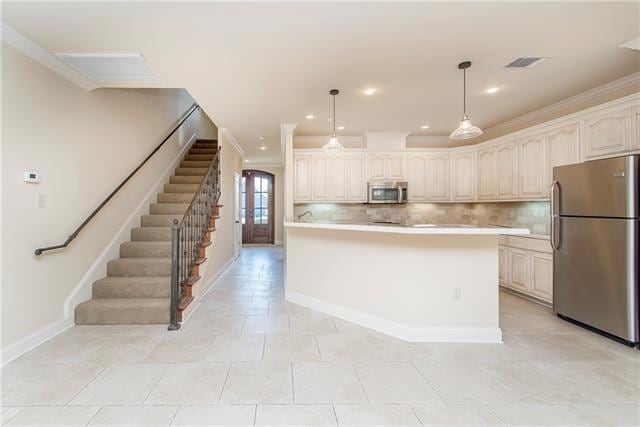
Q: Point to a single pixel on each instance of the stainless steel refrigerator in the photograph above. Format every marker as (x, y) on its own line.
(595, 220)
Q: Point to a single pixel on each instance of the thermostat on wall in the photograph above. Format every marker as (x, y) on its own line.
(33, 177)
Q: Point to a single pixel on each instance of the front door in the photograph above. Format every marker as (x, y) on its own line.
(257, 207)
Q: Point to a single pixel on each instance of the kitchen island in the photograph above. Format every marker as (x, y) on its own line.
(429, 283)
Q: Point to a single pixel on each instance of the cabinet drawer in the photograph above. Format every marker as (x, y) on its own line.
(530, 244)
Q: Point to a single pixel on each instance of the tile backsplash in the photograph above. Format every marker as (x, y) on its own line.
(531, 215)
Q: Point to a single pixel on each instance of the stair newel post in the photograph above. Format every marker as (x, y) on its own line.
(175, 282)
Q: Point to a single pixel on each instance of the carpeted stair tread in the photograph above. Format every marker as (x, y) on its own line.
(175, 197)
(129, 267)
(186, 179)
(144, 249)
(132, 287)
(191, 171)
(200, 157)
(151, 234)
(195, 164)
(158, 220)
(123, 311)
(181, 188)
(168, 208)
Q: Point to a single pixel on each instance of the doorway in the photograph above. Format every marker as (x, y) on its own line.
(257, 207)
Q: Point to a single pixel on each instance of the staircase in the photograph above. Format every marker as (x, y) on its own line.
(137, 289)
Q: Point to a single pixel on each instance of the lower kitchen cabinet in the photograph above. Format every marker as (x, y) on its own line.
(526, 266)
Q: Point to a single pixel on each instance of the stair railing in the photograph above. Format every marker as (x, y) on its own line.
(77, 231)
(187, 237)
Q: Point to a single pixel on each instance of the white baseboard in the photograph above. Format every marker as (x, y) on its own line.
(82, 291)
(20, 347)
(398, 330)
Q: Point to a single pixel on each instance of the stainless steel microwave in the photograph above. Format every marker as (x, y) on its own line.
(387, 192)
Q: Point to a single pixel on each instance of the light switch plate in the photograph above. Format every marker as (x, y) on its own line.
(32, 177)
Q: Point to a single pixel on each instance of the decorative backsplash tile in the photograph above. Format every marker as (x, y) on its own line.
(531, 215)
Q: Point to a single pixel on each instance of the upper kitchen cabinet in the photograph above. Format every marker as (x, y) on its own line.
(563, 146)
(463, 175)
(635, 123)
(386, 166)
(428, 177)
(607, 132)
(356, 188)
(319, 187)
(533, 167)
(507, 170)
(302, 178)
(337, 178)
(487, 174)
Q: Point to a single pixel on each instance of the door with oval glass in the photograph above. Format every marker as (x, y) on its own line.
(257, 207)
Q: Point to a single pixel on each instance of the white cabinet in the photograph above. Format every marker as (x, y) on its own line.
(302, 178)
(463, 175)
(337, 178)
(507, 170)
(428, 177)
(607, 133)
(635, 124)
(319, 178)
(356, 188)
(487, 174)
(386, 166)
(533, 167)
(525, 264)
(541, 275)
(563, 146)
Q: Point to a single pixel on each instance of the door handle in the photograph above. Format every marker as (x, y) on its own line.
(237, 222)
(553, 215)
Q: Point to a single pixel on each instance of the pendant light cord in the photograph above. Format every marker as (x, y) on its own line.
(334, 116)
(464, 91)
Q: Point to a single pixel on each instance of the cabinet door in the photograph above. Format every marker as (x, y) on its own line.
(375, 166)
(607, 133)
(463, 175)
(635, 124)
(417, 176)
(533, 168)
(487, 174)
(337, 178)
(302, 178)
(355, 178)
(503, 265)
(563, 147)
(394, 167)
(507, 166)
(519, 269)
(437, 177)
(319, 178)
(542, 275)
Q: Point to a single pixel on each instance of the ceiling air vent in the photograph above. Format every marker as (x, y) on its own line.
(526, 62)
(112, 69)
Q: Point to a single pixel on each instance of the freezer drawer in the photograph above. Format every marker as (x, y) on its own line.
(595, 269)
(599, 188)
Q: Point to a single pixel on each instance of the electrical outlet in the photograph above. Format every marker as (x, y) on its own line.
(457, 294)
(42, 200)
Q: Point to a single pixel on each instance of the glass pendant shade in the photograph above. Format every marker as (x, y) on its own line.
(333, 145)
(466, 130)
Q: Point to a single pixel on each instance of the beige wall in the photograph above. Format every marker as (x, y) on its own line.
(278, 189)
(82, 144)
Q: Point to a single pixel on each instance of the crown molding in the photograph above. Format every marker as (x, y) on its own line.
(29, 48)
(234, 143)
(581, 98)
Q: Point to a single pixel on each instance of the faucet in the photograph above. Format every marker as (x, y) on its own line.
(304, 213)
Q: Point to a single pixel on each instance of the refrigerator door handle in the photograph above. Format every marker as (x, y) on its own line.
(553, 214)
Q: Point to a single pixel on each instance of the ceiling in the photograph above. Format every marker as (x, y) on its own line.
(252, 66)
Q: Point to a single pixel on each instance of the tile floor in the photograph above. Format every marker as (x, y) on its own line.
(247, 357)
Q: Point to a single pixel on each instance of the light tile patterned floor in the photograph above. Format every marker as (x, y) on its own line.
(248, 357)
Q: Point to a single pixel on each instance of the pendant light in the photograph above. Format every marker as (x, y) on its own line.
(466, 130)
(333, 144)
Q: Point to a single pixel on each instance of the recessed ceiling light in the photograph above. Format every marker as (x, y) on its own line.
(424, 127)
(340, 127)
(263, 148)
(247, 161)
(492, 90)
(309, 116)
(261, 137)
(369, 91)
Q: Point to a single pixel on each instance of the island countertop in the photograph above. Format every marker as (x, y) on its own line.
(433, 229)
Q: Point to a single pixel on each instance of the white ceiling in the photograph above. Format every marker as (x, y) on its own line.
(252, 66)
